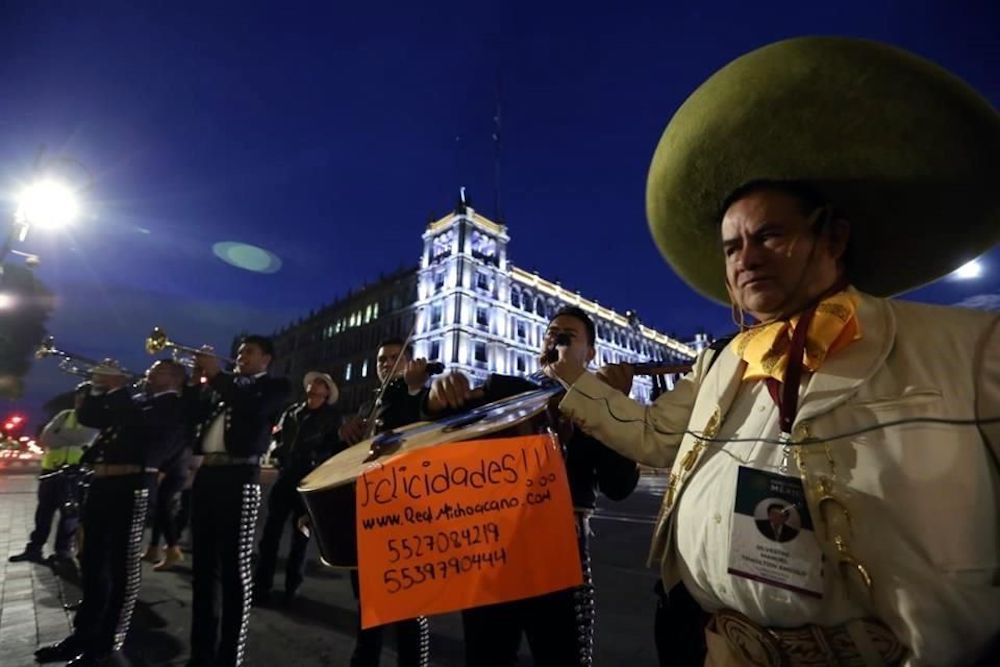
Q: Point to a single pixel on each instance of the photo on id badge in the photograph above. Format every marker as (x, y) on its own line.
(772, 539)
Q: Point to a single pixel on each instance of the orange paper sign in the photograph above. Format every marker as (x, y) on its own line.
(463, 525)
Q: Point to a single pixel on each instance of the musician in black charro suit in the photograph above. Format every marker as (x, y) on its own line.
(559, 626)
(400, 403)
(241, 408)
(137, 435)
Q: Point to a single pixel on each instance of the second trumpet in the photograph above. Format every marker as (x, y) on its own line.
(157, 342)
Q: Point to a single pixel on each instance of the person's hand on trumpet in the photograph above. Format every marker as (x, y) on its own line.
(207, 362)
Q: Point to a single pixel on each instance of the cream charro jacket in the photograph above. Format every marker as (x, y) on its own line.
(922, 497)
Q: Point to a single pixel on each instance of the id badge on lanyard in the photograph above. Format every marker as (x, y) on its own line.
(773, 539)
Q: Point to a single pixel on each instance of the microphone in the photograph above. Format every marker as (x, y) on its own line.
(552, 354)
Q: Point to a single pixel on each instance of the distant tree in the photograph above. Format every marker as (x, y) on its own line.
(27, 304)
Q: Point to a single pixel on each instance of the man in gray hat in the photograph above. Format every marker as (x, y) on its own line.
(306, 436)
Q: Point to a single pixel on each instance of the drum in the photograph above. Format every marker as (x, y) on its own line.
(328, 491)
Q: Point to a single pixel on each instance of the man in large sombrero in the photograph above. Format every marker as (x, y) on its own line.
(802, 183)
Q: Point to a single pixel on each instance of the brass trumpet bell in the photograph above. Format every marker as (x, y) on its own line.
(78, 365)
(158, 341)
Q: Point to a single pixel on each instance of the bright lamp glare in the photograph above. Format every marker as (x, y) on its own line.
(6, 301)
(969, 270)
(47, 204)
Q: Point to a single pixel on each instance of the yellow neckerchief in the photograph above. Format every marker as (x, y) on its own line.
(765, 348)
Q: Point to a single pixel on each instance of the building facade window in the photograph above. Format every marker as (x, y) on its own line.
(469, 324)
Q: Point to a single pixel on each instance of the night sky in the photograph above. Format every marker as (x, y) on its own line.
(329, 133)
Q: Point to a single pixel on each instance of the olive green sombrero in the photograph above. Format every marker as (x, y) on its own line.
(906, 151)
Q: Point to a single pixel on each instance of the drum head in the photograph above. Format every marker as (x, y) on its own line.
(477, 423)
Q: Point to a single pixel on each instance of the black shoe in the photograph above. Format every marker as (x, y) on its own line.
(86, 659)
(291, 595)
(73, 606)
(27, 555)
(67, 649)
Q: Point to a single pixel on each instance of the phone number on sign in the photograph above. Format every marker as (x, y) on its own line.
(405, 578)
(442, 541)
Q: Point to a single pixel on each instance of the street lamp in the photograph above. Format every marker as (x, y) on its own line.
(47, 203)
(969, 270)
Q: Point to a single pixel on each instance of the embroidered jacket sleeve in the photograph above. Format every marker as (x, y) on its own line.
(648, 434)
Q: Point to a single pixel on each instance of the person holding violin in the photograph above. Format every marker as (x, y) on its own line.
(559, 626)
(396, 403)
(397, 399)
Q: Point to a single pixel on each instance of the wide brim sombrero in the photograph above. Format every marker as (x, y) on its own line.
(906, 151)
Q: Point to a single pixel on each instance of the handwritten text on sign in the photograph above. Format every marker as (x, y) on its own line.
(463, 525)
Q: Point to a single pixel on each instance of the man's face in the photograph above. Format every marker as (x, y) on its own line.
(316, 394)
(160, 377)
(250, 359)
(776, 517)
(775, 262)
(579, 349)
(386, 359)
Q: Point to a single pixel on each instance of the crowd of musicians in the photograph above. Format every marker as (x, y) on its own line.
(210, 431)
(833, 495)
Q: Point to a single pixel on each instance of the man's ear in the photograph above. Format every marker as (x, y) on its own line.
(840, 235)
(591, 353)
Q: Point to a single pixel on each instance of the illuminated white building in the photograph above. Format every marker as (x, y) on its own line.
(474, 311)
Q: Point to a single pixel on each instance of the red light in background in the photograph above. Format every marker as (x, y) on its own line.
(13, 423)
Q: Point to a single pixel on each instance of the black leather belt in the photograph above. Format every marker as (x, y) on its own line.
(226, 459)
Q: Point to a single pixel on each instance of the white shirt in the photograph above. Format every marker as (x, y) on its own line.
(214, 441)
(704, 519)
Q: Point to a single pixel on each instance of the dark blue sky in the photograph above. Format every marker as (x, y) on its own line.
(330, 132)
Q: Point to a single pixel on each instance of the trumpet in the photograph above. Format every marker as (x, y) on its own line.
(157, 341)
(75, 364)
